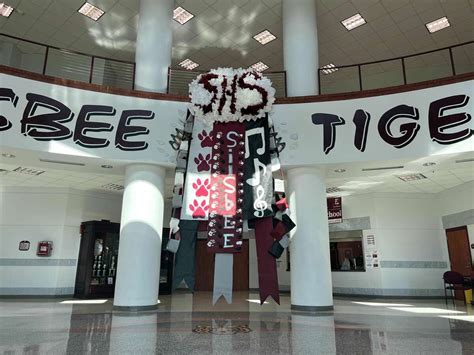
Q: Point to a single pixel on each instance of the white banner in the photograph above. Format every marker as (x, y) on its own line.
(57, 119)
(418, 123)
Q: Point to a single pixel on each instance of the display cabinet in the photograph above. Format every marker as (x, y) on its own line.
(98, 257)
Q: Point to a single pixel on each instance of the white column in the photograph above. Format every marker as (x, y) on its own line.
(300, 47)
(154, 42)
(311, 282)
(141, 226)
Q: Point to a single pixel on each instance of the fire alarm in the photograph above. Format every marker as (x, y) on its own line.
(44, 248)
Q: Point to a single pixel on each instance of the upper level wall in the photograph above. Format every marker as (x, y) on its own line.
(389, 125)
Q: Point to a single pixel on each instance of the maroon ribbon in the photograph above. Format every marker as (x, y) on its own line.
(267, 271)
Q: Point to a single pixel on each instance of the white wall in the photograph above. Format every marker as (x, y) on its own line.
(457, 199)
(410, 242)
(46, 214)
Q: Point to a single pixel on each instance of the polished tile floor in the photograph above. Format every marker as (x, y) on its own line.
(189, 324)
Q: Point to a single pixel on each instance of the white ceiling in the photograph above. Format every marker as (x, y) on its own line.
(445, 174)
(221, 32)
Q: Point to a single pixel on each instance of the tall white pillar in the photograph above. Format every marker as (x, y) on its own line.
(311, 281)
(141, 226)
(300, 47)
(154, 42)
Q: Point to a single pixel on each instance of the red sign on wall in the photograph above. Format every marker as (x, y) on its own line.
(334, 209)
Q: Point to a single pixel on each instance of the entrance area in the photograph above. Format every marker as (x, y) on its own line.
(205, 268)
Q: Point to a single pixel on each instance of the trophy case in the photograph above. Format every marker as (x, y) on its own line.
(98, 256)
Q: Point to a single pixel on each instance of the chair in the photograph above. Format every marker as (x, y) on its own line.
(453, 281)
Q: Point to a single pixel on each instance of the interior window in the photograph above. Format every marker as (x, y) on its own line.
(346, 251)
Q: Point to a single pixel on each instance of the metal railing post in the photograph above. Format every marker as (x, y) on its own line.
(404, 71)
(453, 69)
(133, 75)
(319, 81)
(45, 62)
(92, 70)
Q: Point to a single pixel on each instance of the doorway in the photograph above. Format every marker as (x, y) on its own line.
(459, 253)
(205, 268)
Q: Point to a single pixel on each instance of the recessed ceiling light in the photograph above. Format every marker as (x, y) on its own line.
(429, 164)
(353, 22)
(328, 69)
(383, 168)
(438, 24)
(91, 11)
(61, 162)
(465, 160)
(260, 66)
(332, 190)
(412, 177)
(106, 166)
(264, 37)
(114, 187)
(188, 64)
(7, 155)
(340, 170)
(181, 15)
(5, 10)
(28, 171)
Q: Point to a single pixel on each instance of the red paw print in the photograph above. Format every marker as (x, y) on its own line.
(201, 187)
(203, 162)
(199, 211)
(205, 138)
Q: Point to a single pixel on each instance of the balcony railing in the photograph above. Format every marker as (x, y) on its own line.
(429, 65)
(63, 63)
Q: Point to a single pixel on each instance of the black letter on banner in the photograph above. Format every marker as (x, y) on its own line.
(361, 121)
(83, 125)
(439, 123)
(329, 123)
(49, 122)
(258, 179)
(124, 130)
(408, 130)
(7, 95)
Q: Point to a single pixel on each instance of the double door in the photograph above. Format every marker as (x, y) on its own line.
(205, 268)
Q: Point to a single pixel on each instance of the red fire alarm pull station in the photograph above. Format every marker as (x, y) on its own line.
(44, 248)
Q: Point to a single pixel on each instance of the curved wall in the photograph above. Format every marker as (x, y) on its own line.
(81, 120)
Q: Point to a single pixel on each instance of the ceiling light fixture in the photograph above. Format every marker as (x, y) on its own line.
(412, 177)
(28, 171)
(437, 25)
(5, 10)
(384, 168)
(465, 160)
(340, 170)
(332, 190)
(264, 37)
(429, 164)
(91, 11)
(260, 66)
(61, 162)
(328, 69)
(8, 155)
(188, 64)
(106, 166)
(113, 187)
(181, 15)
(353, 22)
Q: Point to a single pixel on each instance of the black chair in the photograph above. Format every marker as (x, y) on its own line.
(453, 281)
